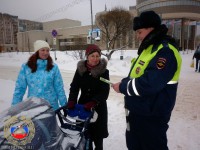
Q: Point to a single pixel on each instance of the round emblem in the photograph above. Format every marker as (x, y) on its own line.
(161, 62)
(19, 130)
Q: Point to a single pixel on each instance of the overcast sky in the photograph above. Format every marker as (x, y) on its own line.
(47, 10)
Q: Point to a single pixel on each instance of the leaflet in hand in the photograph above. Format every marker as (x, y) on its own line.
(105, 80)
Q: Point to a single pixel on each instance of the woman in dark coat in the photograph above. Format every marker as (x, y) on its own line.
(94, 92)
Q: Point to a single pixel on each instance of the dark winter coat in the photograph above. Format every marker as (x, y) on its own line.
(92, 89)
(156, 97)
(197, 53)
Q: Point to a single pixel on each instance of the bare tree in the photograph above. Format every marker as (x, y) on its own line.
(115, 26)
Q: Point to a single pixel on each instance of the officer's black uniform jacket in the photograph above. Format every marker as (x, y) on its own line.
(156, 97)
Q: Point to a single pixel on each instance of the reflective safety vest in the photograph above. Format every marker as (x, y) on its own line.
(147, 55)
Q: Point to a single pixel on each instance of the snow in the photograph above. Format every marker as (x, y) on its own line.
(184, 126)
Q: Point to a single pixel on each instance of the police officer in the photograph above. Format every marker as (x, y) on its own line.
(151, 86)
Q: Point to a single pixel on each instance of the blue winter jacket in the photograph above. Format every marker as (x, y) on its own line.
(42, 84)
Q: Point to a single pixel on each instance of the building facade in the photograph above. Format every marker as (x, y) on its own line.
(8, 32)
(60, 24)
(27, 25)
(10, 26)
(67, 30)
(180, 16)
(26, 39)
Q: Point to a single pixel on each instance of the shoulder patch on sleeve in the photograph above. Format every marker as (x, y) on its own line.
(160, 64)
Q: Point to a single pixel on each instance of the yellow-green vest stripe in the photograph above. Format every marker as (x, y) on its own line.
(146, 56)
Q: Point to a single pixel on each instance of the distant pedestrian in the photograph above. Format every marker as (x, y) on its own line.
(197, 57)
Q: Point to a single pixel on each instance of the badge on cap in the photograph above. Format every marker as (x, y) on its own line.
(161, 63)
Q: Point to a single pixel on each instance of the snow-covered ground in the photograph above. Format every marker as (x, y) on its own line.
(184, 127)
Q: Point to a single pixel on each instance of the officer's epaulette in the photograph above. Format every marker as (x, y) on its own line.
(155, 46)
(164, 42)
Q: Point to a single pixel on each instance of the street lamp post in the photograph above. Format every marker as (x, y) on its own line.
(91, 22)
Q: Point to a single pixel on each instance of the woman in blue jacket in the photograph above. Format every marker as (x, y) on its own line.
(42, 77)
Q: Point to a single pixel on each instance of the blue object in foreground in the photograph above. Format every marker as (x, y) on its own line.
(79, 112)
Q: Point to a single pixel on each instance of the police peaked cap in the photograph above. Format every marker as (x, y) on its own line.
(146, 19)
